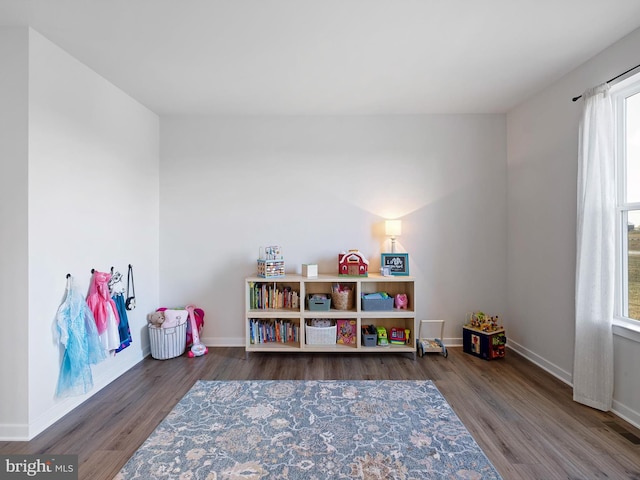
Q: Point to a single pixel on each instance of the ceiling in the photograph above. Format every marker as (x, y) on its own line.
(328, 57)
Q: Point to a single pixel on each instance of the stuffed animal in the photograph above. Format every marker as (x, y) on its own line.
(402, 301)
(156, 318)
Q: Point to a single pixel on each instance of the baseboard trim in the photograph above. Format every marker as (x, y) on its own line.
(626, 413)
(547, 366)
(26, 432)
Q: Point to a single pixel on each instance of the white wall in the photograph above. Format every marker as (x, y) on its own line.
(13, 230)
(542, 173)
(320, 185)
(93, 202)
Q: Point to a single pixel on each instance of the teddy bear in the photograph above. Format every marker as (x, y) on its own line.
(156, 318)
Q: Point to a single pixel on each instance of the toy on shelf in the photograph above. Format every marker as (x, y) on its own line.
(401, 301)
(399, 336)
(353, 264)
(382, 336)
(271, 262)
(484, 322)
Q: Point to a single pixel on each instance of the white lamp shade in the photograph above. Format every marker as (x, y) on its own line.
(393, 228)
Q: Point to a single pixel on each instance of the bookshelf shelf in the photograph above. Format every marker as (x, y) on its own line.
(260, 323)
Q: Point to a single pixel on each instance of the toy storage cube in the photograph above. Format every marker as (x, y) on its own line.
(270, 268)
(486, 345)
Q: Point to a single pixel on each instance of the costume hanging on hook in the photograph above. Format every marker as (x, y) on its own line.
(117, 289)
(76, 330)
(104, 310)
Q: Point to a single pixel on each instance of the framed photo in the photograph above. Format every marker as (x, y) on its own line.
(398, 263)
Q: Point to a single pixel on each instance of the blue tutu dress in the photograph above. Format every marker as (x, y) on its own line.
(76, 331)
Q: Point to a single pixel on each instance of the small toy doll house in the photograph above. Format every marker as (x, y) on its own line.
(353, 264)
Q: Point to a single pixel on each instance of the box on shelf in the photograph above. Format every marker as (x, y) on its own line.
(346, 331)
(309, 270)
(376, 301)
(271, 268)
(487, 345)
(318, 302)
(320, 335)
(369, 336)
(167, 342)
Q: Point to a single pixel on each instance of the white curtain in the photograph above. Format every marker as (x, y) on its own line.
(595, 267)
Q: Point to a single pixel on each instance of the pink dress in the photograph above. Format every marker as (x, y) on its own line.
(104, 310)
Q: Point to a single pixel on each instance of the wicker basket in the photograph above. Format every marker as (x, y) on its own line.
(342, 300)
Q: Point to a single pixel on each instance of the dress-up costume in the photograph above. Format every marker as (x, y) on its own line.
(76, 330)
(104, 310)
(117, 289)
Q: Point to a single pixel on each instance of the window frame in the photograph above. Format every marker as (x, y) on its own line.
(620, 92)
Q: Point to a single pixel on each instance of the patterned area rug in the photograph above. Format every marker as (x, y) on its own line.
(310, 430)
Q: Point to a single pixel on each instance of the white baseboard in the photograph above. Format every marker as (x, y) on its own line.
(547, 366)
(626, 413)
(223, 341)
(26, 432)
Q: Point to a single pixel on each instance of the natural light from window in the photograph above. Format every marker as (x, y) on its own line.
(631, 206)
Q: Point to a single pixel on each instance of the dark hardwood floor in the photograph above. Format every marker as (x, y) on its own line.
(523, 418)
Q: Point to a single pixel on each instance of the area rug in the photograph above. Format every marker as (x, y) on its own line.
(310, 430)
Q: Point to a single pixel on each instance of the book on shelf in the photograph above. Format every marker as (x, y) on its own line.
(273, 330)
(264, 296)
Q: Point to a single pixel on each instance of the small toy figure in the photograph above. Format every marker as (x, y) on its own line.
(401, 300)
(382, 336)
(484, 322)
(156, 318)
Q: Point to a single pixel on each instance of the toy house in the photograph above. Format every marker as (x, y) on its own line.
(353, 264)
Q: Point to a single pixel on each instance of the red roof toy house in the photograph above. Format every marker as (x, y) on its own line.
(353, 264)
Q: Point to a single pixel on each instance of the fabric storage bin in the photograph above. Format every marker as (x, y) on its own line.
(320, 335)
(167, 342)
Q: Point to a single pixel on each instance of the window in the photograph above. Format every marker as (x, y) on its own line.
(627, 103)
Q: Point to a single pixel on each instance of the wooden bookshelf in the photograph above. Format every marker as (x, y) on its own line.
(266, 313)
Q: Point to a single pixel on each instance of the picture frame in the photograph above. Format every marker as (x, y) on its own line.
(398, 263)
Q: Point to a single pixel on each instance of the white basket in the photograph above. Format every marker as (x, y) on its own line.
(167, 342)
(321, 335)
